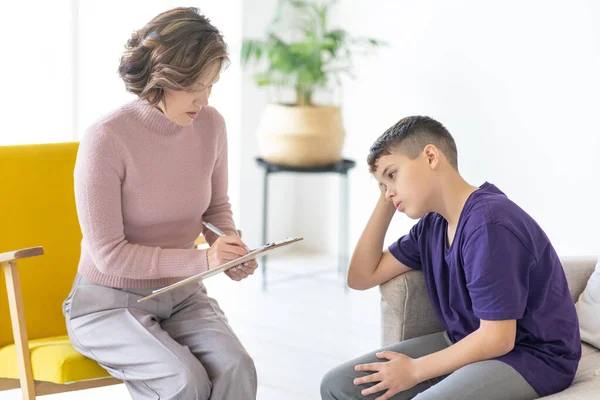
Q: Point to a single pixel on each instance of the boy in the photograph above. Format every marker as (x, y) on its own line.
(492, 276)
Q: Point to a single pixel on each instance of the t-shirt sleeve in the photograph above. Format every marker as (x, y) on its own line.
(496, 265)
(406, 249)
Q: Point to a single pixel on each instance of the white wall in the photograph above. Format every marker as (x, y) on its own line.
(515, 82)
(35, 65)
(62, 72)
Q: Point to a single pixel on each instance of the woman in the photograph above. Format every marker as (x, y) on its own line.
(147, 175)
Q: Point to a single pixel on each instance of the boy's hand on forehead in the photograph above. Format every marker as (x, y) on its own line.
(383, 190)
(383, 198)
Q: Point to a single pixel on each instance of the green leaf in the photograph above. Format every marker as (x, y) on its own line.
(262, 79)
(298, 3)
(312, 58)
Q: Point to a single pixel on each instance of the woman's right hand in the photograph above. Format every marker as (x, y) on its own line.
(225, 249)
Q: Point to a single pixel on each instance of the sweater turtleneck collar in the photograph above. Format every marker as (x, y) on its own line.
(153, 119)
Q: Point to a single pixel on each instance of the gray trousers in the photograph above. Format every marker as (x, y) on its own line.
(175, 346)
(485, 380)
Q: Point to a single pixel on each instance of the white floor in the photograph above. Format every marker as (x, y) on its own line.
(295, 331)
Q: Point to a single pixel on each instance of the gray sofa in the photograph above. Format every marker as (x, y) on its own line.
(406, 312)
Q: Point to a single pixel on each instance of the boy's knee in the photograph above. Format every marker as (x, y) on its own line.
(337, 384)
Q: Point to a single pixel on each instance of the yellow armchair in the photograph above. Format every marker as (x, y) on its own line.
(38, 208)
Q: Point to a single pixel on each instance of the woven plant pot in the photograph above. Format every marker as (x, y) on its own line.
(301, 136)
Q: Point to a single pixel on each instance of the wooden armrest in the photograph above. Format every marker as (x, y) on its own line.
(23, 253)
(17, 315)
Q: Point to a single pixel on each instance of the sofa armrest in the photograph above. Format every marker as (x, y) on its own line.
(406, 311)
(578, 271)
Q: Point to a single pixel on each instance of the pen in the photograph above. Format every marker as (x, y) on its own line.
(213, 228)
(220, 233)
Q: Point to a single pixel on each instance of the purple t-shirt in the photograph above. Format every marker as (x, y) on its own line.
(500, 266)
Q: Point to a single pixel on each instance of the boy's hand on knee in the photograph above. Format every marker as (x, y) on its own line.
(394, 376)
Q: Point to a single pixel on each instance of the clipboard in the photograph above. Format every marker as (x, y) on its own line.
(221, 268)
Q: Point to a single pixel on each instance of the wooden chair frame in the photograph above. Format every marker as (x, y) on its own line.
(30, 388)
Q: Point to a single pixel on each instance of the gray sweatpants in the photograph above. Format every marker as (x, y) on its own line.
(175, 346)
(489, 380)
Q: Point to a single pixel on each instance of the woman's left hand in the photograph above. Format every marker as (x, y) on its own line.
(242, 271)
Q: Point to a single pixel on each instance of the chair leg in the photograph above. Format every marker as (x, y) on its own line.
(17, 314)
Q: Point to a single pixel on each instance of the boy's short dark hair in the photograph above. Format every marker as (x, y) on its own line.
(410, 135)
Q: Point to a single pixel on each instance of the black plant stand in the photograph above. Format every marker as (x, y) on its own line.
(341, 168)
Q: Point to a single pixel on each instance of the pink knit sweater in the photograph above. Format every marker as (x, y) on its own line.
(143, 186)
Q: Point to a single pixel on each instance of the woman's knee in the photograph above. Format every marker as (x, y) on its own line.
(239, 362)
(191, 381)
(247, 362)
(235, 364)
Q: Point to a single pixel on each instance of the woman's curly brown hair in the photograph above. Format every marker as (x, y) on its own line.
(171, 52)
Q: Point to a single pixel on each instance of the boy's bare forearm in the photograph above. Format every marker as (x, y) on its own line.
(477, 346)
(369, 248)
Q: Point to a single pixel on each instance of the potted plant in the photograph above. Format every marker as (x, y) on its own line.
(310, 58)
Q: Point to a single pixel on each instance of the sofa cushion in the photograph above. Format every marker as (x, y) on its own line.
(586, 385)
(588, 310)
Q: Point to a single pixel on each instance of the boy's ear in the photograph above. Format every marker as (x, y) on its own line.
(432, 154)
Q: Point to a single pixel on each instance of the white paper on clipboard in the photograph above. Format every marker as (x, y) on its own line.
(203, 275)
